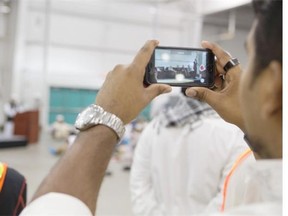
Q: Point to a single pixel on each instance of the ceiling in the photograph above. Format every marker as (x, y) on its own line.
(244, 17)
(4, 6)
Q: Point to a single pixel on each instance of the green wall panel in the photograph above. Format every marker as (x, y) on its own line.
(146, 113)
(69, 102)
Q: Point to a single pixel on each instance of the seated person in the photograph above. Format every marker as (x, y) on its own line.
(60, 130)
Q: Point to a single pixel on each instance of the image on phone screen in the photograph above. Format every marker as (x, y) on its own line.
(182, 67)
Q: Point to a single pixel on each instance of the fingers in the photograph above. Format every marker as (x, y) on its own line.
(143, 56)
(203, 94)
(219, 69)
(218, 82)
(156, 89)
(222, 56)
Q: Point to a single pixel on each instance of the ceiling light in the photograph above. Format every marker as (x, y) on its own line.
(4, 9)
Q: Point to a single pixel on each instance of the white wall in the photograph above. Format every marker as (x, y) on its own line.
(7, 27)
(75, 43)
(213, 6)
(3, 23)
(235, 45)
(80, 41)
(1, 80)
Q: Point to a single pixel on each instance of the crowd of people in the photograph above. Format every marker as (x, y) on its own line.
(196, 72)
(171, 72)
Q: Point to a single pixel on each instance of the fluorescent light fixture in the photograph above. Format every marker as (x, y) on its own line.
(4, 9)
(165, 57)
(179, 77)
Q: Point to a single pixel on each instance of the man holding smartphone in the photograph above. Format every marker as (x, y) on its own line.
(251, 99)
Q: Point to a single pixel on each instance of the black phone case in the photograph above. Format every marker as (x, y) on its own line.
(210, 67)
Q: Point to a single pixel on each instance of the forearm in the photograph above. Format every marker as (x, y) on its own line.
(81, 170)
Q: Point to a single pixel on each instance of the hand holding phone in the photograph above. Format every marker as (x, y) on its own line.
(184, 67)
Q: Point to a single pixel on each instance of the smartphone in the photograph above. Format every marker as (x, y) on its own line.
(183, 67)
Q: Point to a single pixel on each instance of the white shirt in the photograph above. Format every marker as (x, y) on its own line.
(268, 203)
(255, 183)
(179, 171)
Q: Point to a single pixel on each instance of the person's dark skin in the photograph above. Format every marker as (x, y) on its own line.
(81, 170)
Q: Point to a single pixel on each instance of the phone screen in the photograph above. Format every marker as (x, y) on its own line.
(181, 67)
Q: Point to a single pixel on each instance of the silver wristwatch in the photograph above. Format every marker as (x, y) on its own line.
(94, 115)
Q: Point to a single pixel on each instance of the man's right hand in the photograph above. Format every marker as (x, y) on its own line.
(123, 92)
(224, 97)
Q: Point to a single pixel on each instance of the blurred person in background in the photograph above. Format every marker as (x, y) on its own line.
(11, 108)
(63, 132)
(182, 160)
(128, 145)
(60, 130)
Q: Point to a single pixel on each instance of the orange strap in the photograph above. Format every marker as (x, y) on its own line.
(3, 171)
(239, 160)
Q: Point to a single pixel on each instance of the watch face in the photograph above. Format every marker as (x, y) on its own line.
(95, 115)
(84, 118)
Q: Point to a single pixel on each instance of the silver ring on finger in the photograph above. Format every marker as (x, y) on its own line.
(230, 64)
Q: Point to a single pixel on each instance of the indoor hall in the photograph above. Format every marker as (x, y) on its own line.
(54, 58)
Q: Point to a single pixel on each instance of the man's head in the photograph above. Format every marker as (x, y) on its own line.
(267, 33)
(261, 83)
(60, 118)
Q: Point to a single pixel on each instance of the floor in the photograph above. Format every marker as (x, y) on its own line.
(35, 161)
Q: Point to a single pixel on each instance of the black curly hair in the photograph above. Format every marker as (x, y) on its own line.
(268, 33)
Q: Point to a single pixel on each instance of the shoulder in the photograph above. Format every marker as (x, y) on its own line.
(218, 123)
(224, 132)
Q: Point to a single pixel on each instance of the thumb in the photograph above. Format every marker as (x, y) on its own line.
(157, 89)
(203, 94)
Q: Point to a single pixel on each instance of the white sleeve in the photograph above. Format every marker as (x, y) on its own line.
(54, 204)
(142, 192)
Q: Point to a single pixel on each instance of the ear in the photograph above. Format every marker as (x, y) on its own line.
(272, 104)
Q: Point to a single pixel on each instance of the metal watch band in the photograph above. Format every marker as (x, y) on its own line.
(100, 116)
(111, 121)
(230, 64)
